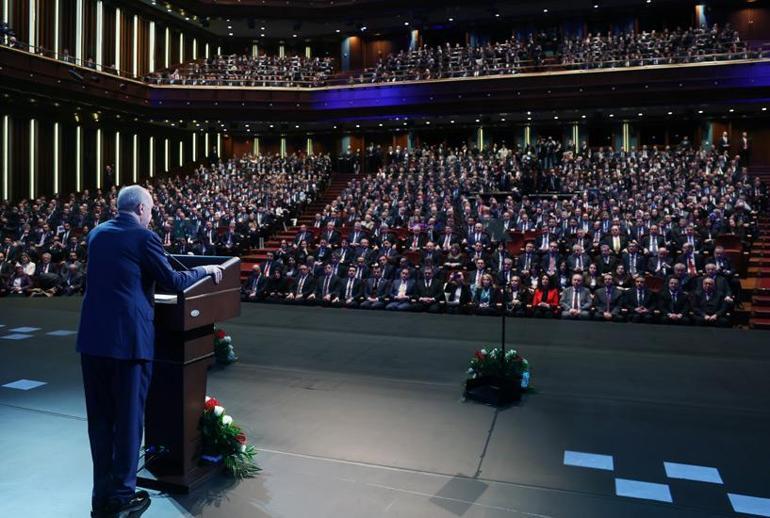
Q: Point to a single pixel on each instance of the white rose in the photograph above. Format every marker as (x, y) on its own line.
(207, 399)
(228, 339)
(226, 420)
(243, 448)
(219, 410)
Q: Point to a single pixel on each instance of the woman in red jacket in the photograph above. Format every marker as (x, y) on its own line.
(545, 302)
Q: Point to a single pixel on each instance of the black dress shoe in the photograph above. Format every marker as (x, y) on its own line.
(130, 509)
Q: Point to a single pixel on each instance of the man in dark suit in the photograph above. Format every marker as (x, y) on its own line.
(350, 290)
(303, 235)
(576, 300)
(428, 292)
(230, 242)
(116, 342)
(401, 292)
(674, 304)
(327, 287)
(607, 301)
(615, 240)
(331, 235)
(375, 290)
(253, 289)
(527, 259)
(639, 302)
(708, 305)
(661, 264)
(634, 261)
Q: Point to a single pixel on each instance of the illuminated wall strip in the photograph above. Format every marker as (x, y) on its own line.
(527, 134)
(152, 156)
(480, 138)
(135, 159)
(99, 34)
(78, 159)
(32, 18)
(206, 142)
(219, 50)
(165, 155)
(194, 147)
(219, 145)
(309, 146)
(6, 147)
(575, 136)
(79, 31)
(167, 48)
(181, 153)
(6, 10)
(254, 50)
(281, 51)
(625, 136)
(98, 158)
(56, 138)
(195, 48)
(32, 156)
(56, 29)
(117, 39)
(151, 61)
(283, 147)
(135, 47)
(181, 48)
(206, 51)
(308, 51)
(117, 158)
(256, 146)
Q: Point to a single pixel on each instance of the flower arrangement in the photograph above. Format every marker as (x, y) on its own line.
(223, 347)
(224, 441)
(492, 364)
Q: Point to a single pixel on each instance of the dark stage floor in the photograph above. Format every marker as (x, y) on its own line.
(358, 414)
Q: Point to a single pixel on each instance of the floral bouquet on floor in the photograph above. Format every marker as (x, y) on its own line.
(223, 347)
(491, 364)
(224, 441)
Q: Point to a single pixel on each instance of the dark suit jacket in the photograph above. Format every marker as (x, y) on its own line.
(666, 266)
(125, 261)
(332, 288)
(640, 262)
(307, 287)
(601, 300)
(666, 303)
(254, 283)
(396, 285)
(434, 291)
(715, 305)
(356, 292)
(382, 288)
(630, 301)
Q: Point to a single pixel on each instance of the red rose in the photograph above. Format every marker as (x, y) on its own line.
(210, 404)
(241, 438)
(220, 334)
(480, 355)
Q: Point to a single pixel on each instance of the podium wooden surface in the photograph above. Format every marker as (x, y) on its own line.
(184, 350)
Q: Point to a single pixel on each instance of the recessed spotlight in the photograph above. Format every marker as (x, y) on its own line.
(427, 122)
(670, 113)
(230, 33)
(363, 28)
(649, 1)
(502, 120)
(271, 125)
(451, 19)
(406, 23)
(700, 111)
(732, 110)
(451, 122)
(497, 15)
(337, 31)
(262, 35)
(583, 116)
(545, 10)
(358, 125)
(640, 114)
(261, 28)
(612, 114)
(229, 26)
(764, 109)
(529, 113)
(293, 35)
(405, 124)
(529, 118)
(596, 6)
(477, 120)
(556, 117)
(380, 124)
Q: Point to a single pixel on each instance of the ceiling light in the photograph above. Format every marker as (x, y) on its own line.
(406, 23)
(556, 117)
(497, 15)
(358, 125)
(363, 28)
(545, 10)
(582, 116)
(612, 114)
(380, 124)
(764, 109)
(296, 126)
(670, 113)
(502, 120)
(261, 28)
(732, 110)
(405, 124)
(529, 118)
(293, 35)
(337, 31)
(229, 26)
(230, 33)
(529, 113)
(700, 111)
(596, 6)
(451, 122)
(427, 122)
(451, 19)
(640, 114)
(263, 34)
(477, 120)
(271, 125)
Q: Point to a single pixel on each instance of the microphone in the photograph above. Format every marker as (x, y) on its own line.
(176, 261)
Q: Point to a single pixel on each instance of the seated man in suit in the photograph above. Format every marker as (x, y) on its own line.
(303, 235)
(350, 290)
(428, 292)
(720, 283)
(253, 289)
(605, 261)
(302, 290)
(457, 294)
(230, 242)
(551, 260)
(639, 302)
(674, 304)
(607, 301)
(693, 262)
(506, 273)
(402, 291)
(633, 260)
(615, 240)
(277, 286)
(327, 287)
(576, 300)
(708, 306)
(661, 264)
(527, 259)
(578, 261)
(375, 290)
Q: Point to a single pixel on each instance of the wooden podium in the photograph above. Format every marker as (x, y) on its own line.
(184, 350)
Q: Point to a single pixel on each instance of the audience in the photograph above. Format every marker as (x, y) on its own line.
(439, 228)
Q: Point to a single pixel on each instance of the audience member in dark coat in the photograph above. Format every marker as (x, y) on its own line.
(673, 303)
(428, 292)
(709, 306)
(639, 302)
